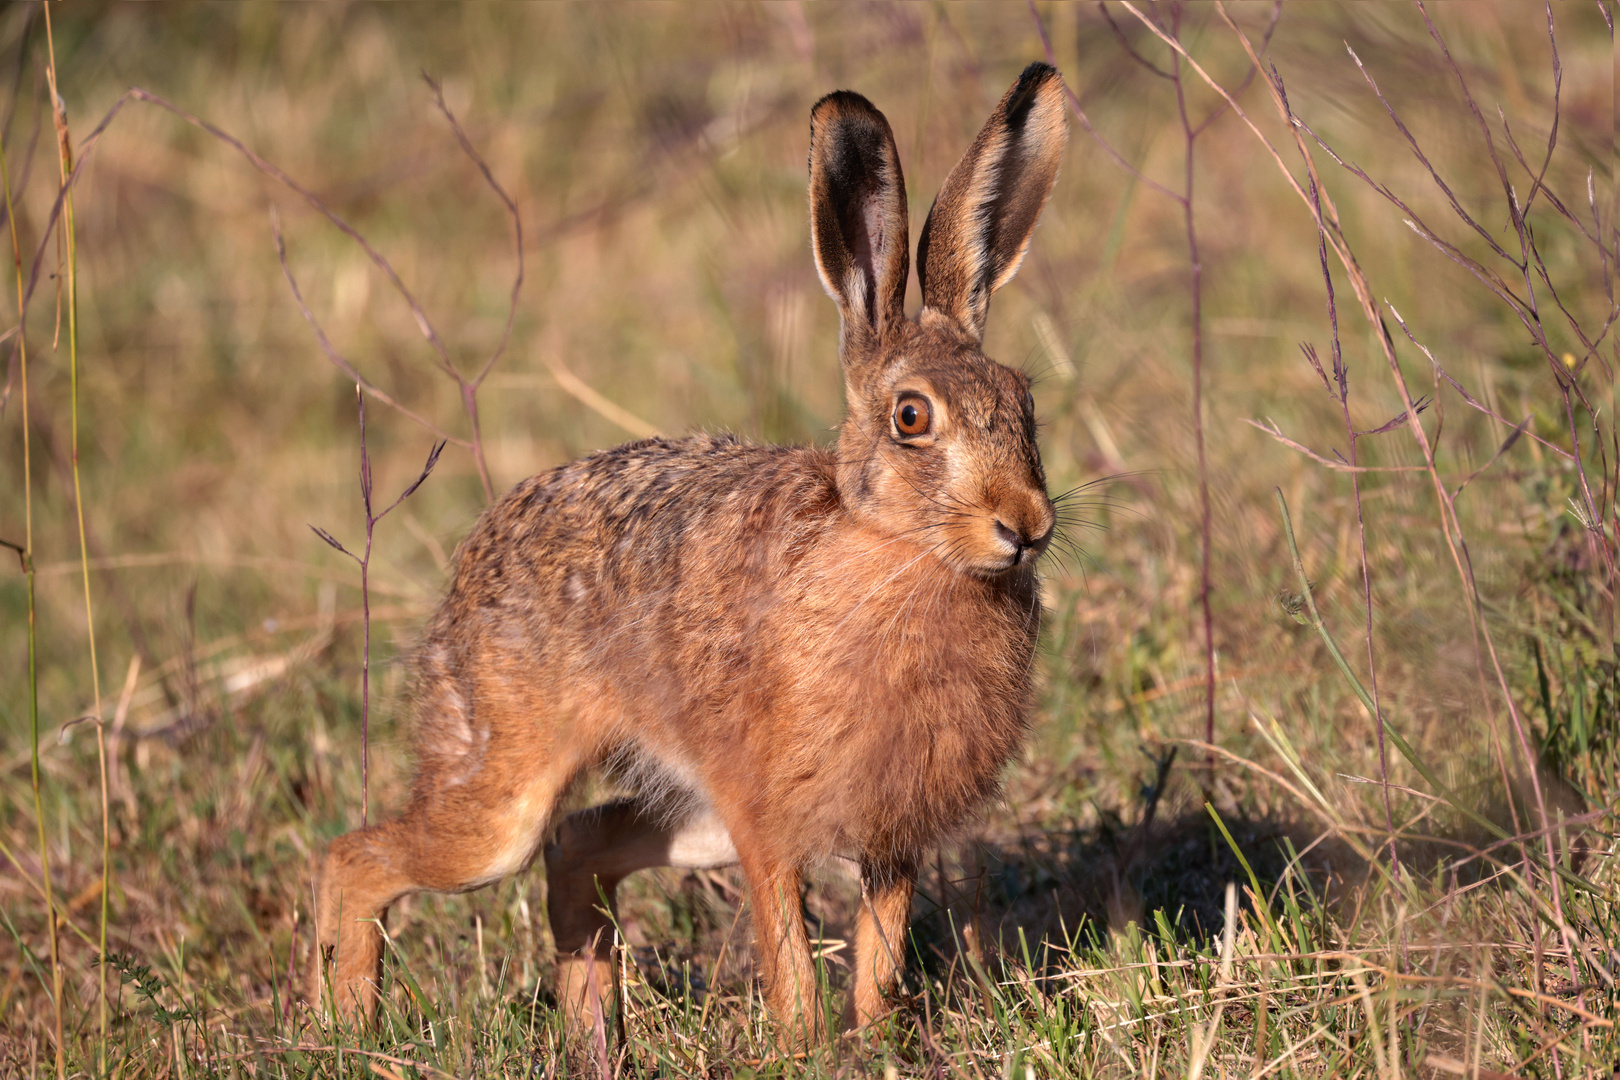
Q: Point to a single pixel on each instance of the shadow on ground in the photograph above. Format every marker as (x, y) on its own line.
(1053, 889)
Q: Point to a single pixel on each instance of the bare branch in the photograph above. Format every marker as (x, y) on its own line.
(1124, 43)
(1434, 173)
(337, 359)
(1270, 428)
(1466, 396)
(1525, 244)
(1417, 406)
(1248, 77)
(1085, 121)
(441, 353)
(1221, 90)
(1504, 448)
(432, 460)
(511, 208)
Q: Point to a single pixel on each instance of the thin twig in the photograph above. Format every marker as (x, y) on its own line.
(511, 208)
(467, 388)
(1451, 528)
(1183, 199)
(1507, 444)
(364, 562)
(1271, 428)
(337, 359)
(1085, 121)
(1205, 584)
(1341, 376)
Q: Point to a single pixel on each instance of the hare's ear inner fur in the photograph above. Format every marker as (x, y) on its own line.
(858, 225)
(980, 225)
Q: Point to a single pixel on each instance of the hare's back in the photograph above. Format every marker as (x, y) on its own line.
(650, 524)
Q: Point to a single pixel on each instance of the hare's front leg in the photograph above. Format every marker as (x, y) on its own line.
(774, 891)
(880, 935)
(596, 849)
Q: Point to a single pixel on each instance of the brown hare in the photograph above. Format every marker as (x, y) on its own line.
(787, 652)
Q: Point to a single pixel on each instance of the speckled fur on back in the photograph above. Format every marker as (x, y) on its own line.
(790, 652)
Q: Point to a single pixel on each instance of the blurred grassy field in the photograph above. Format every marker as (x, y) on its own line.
(657, 155)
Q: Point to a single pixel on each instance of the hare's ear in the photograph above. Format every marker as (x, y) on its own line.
(858, 225)
(980, 225)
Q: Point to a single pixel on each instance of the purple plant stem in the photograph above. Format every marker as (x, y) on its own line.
(1196, 287)
(1450, 526)
(1343, 376)
(365, 618)
(365, 587)
(1183, 199)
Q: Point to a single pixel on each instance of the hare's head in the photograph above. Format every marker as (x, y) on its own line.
(939, 440)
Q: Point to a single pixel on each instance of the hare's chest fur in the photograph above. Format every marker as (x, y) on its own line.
(711, 614)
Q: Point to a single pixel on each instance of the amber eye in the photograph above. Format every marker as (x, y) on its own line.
(913, 415)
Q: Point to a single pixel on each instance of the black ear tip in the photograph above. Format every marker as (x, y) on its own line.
(1035, 74)
(840, 102)
(1029, 87)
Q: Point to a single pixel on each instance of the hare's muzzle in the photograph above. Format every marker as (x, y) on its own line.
(1025, 532)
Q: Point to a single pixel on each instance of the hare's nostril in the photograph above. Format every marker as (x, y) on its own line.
(1010, 535)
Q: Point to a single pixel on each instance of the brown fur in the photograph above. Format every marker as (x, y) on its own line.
(789, 652)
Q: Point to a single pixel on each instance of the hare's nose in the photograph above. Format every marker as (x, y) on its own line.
(1024, 540)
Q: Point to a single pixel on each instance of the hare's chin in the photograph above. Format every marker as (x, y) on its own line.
(1003, 565)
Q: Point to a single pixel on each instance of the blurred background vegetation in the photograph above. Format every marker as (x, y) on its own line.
(657, 156)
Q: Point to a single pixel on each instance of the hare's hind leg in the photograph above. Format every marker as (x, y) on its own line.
(450, 839)
(480, 805)
(596, 849)
(360, 879)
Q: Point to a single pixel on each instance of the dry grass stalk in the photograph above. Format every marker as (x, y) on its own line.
(25, 553)
(66, 235)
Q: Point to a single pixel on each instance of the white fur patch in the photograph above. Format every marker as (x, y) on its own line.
(702, 843)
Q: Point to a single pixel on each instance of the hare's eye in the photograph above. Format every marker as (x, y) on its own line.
(913, 415)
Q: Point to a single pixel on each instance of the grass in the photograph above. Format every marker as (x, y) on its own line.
(1143, 900)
